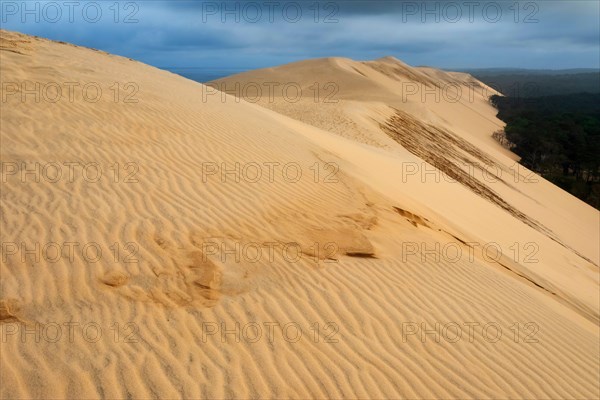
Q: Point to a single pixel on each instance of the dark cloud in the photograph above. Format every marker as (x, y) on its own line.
(550, 34)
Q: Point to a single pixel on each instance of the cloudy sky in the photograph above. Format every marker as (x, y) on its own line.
(241, 35)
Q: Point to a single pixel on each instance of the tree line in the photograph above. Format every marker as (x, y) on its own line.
(558, 137)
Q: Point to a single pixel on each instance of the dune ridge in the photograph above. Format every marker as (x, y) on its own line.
(168, 296)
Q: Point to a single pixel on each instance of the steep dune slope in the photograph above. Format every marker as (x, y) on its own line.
(445, 120)
(159, 242)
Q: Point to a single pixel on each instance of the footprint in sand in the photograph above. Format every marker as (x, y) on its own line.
(206, 278)
(192, 281)
(9, 309)
(114, 279)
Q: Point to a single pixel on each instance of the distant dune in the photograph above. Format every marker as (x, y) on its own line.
(371, 241)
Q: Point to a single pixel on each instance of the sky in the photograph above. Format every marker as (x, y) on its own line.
(241, 35)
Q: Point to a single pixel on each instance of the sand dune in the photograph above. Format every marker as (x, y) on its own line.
(160, 240)
(411, 112)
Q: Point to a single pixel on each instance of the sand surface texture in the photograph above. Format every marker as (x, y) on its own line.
(163, 240)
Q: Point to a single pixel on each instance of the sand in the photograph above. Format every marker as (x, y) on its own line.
(308, 272)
